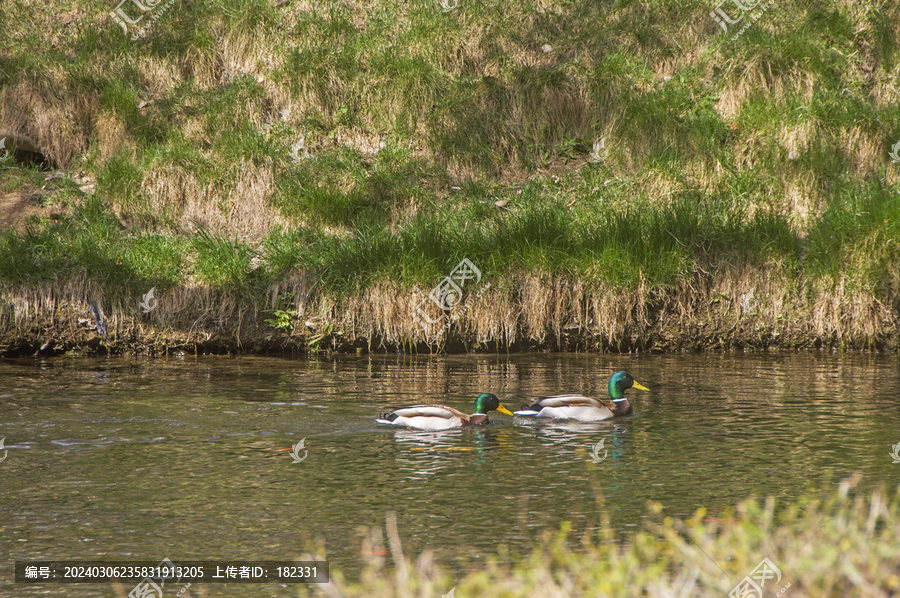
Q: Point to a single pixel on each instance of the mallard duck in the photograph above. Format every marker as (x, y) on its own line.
(586, 409)
(441, 417)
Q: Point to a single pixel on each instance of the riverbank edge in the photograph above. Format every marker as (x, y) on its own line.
(744, 308)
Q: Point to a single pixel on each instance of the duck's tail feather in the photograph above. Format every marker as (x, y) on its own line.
(386, 418)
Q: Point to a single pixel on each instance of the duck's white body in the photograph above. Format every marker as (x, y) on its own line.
(431, 417)
(440, 417)
(577, 407)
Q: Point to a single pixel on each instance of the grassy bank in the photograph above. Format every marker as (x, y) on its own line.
(291, 175)
(831, 546)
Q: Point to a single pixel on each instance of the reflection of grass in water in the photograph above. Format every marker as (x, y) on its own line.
(836, 546)
(445, 448)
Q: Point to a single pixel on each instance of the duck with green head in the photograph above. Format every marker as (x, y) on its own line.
(586, 409)
(441, 417)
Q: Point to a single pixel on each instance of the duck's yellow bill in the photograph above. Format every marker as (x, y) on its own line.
(640, 386)
(504, 410)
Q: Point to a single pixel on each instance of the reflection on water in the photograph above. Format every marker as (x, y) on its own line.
(142, 458)
(427, 453)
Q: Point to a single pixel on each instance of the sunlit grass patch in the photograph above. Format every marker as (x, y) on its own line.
(87, 243)
(858, 238)
(221, 262)
(836, 545)
(291, 251)
(622, 247)
(157, 259)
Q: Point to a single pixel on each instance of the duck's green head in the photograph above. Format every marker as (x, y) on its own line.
(619, 383)
(489, 402)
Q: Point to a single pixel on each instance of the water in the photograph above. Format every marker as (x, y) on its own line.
(134, 458)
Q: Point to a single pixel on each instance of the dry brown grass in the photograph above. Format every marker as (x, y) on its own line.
(240, 210)
(747, 307)
(43, 110)
(744, 308)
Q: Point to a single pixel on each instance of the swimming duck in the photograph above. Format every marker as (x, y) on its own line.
(440, 417)
(587, 409)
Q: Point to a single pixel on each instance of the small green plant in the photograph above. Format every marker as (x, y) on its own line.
(328, 333)
(283, 319)
(570, 149)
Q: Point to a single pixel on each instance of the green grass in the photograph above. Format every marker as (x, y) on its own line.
(596, 242)
(612, 246)
(222, 262)
(863, 225)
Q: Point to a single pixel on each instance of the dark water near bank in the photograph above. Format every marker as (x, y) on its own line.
(149, 458)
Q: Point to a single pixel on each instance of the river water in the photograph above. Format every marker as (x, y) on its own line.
(145, 459)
